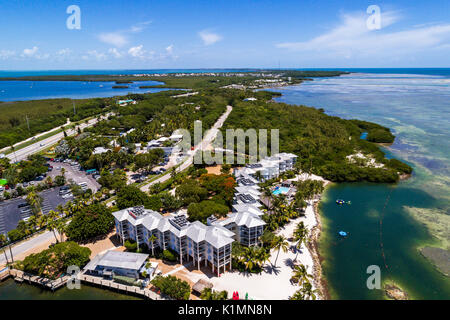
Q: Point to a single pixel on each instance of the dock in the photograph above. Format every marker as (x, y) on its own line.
(109, 284)
(20, 276)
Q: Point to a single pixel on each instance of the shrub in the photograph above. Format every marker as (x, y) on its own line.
(130, 245)
(173, 287)
(169, 256)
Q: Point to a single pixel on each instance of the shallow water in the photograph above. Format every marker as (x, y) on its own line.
(416, 108)
(32, 90)
(10, 290)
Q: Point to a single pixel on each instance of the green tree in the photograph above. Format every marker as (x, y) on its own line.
(91, 221)
(280, 243)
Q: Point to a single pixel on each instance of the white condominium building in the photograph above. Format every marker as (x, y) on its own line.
(192, 241)
(267, 168)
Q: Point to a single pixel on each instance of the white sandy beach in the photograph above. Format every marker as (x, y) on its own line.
(272, 283)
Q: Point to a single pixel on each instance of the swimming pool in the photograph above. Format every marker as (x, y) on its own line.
(279, 190)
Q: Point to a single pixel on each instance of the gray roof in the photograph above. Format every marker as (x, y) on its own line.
(217, 236)
(248, 219)
(117, 259)
(253, 208)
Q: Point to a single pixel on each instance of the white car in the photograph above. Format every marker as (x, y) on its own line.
(67, 195)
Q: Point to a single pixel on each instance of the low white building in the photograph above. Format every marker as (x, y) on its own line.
(100, 150)
(112, 263)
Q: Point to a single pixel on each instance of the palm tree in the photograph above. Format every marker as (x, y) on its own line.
(34, 200)
(41, 220)
(60, 226)
(300, 275)
(63, 171)
(2, 243)
(280, 243)
(51, 222)
(300, 235)
(32, 222)
(258, 175)
(152, 239)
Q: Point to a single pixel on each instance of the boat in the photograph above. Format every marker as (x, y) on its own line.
(342, 233)
(340, 201)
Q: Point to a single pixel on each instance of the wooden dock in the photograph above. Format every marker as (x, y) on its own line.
(4, 274)
(109, 284)
(21, 276)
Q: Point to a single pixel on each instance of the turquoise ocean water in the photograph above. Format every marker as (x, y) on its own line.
(390, 221)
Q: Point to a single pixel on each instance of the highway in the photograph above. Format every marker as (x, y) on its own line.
(23, 153)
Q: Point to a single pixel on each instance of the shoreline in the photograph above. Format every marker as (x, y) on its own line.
(313, 247)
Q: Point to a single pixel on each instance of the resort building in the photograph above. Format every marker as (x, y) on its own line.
(267, 168)
(247, 227)
(112, 263)
(192, 241)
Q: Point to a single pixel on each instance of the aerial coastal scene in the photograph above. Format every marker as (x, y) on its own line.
(138, 162)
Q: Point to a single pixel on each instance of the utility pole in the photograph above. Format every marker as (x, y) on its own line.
(28, 124)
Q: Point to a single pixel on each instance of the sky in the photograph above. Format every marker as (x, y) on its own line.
(148, 34)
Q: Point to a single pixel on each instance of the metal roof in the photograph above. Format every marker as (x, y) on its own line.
(117, 259)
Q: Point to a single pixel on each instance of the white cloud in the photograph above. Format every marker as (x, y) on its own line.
(95, 54)
(64, 52)
(353, 38)
(116, 39)
(30, 52)
(120, 38)
(169, 49)
(137, 52)
(209, 37)
(139, 27)
(114, 52)
(6, 54)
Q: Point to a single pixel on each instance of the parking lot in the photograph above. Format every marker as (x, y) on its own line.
(72, 173)
(11, 214)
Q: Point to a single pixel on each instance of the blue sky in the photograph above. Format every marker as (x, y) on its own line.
(118, 34)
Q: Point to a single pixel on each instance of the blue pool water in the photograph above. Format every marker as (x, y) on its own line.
(279, 190)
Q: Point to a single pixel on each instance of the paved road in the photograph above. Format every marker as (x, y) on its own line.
(36, 136)
(203, 145)
(44, 144)
(29, 244)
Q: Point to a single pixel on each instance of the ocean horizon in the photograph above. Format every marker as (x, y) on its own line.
(24, 73)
